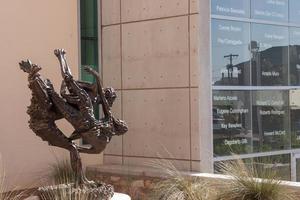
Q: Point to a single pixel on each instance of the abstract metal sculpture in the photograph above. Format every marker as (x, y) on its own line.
(76, 104)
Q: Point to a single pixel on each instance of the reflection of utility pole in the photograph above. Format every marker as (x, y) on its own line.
(230, 65)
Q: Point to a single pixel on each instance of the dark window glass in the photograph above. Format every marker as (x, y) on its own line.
(269, 47)
(294, 11)
(236, 8)
(270, 120)
(295, 117)
(89, 39)
(294, 56)
(230, 52)
(273, 10)
(89, 36)
(231, 122)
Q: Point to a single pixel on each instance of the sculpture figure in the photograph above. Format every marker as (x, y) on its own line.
(76, 104)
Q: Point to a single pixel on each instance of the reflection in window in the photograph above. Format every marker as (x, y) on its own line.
(230, 52)
(295, 117)
(236, 8)
(294, 11)
(294, 56)
(279, 163)
(270, 120)
(273, 10)
(231, 122)
(269, 47)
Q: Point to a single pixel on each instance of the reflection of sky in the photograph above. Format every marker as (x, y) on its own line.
(237, 8)
(295, 11)
(275, 10)
(295, 35)
(237, 36)
(269, 36)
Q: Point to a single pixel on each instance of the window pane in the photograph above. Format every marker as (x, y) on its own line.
(273, 10)
(236, 8)
(294, 11)
(269, 48)
(295, 117)
(270, 120)
(230, 52)
(279, 163)
(294, 56)
(231, 122)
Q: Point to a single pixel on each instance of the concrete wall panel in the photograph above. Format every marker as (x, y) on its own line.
(195, 136)
(194, 6)
(110, 12)
(115, 146)
(158, 121)
(150, 162)
(136, 10)
(114, 160)
(194, 49)
(155, 53)
(111, 51)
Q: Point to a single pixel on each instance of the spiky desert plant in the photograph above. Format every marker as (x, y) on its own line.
(178, 186)
(244, 183)
(61, 172)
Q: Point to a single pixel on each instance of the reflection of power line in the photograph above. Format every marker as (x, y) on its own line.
(229, 67)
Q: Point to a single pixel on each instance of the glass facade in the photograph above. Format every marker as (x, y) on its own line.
(256, 81)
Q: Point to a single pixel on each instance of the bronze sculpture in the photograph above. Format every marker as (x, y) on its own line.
(76, 104)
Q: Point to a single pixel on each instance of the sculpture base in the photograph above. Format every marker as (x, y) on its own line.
(91, 191)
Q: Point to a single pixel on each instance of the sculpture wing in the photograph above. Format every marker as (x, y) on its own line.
(41, 111)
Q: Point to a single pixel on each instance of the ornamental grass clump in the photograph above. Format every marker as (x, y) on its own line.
(178, 186)
(244, 184)
(61, 172)
(4, 195)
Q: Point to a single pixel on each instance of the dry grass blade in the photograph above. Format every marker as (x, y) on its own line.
(61, 172)
(4, 195)
(177, 186)
(63, 189)
(245, 185)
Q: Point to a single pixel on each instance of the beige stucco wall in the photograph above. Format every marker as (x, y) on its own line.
(31, 29)
(150, 54)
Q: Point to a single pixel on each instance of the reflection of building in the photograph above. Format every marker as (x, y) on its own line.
(271, 78)
(269, 67)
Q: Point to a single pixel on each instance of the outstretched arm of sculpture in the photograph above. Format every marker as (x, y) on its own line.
(119, 126)
(65, 70)
(86, 105)
(105, 105)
